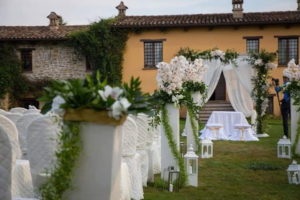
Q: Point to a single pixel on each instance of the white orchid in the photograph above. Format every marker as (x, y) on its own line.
(259, 62)
(169, 75)
(119, 107)
(292, 71)
(218, 53)
(110, 92)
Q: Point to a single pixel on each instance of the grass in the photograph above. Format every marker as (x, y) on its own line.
(239, 170)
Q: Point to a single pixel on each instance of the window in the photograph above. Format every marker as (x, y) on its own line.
(252, 44)
(88, 66)
(153, 52)
(26, 59)
(287, 50)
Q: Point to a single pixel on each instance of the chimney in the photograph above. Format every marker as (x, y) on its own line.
(298, 1)
(55, 21)
(122, 9)
(237, 8)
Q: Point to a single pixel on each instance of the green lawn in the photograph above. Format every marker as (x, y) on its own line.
(239, 170)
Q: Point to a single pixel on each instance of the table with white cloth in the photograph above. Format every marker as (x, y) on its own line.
(228, 125)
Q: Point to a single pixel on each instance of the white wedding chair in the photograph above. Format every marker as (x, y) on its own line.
(156, 149)
(15, 176)
(12, 131)
(131, 157)
(20, 110)
(22, 125)
(142, 148)
(42, 136)
(6, 159)
(13, 116)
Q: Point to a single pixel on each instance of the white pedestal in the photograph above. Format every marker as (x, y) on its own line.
(97, 173)
(295, 116)
(188, 126)
(167, 158)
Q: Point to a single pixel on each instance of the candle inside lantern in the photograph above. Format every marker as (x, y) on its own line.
(190, 169)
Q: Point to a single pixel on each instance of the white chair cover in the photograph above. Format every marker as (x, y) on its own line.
(10, 128)
(130, 156)
(20, 110)
(15, 176)
(135, 176)
(6, 159)
(42, 143)
(143, 144)
(129, 134)
(142, 125)
(125, 182)
(156, 149)
(32, 109)
(13, 116)
(22, 186)
(22, 125)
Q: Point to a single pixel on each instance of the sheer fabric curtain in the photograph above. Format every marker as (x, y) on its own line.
(239, 87)
(212, 76)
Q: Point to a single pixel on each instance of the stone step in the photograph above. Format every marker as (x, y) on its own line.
(211, 106)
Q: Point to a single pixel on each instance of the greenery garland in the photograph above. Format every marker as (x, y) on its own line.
(173, 146)
(103, 45)
(194, 128)
(260, 62)
(225, 57)
(67, 154)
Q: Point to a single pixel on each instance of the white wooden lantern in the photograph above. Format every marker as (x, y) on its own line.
(293, 173)
(191, 165)
(206, 148)
(284, 148)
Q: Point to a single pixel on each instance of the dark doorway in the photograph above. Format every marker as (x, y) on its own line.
(25, 103)
(220, 91)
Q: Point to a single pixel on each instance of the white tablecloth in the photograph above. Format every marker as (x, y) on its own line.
(228, 132)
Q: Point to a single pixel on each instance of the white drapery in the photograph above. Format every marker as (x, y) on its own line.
(238, 83)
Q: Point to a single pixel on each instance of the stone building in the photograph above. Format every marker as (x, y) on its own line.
(43, 51)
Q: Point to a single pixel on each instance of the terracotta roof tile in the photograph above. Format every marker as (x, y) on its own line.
(223, 19)
(36, 32)
(159, 21)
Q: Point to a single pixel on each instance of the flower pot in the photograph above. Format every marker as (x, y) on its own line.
(97, 172)
(167, 158)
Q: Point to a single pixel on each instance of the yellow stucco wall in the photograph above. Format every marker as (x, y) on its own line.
(201, 38)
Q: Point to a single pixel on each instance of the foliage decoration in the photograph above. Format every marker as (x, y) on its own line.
(262, 63)
(12, 81)
(103, 45)
(225, 57)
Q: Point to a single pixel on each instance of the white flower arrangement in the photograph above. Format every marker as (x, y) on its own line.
(95, 94)
(170, 75)
(194, 71)
(217, 53)
(292, 71)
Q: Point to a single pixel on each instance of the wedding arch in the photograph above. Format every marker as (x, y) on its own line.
(239, 86)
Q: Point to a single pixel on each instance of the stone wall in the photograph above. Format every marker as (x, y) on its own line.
(55, 61)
